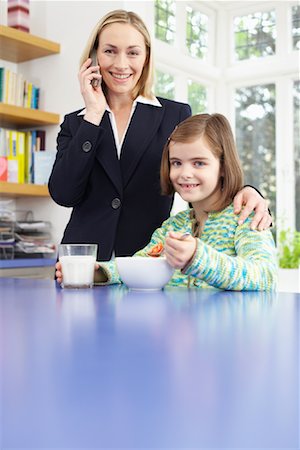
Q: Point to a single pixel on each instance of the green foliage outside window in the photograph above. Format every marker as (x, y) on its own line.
(255, 138)
(289, 249)
(164, 85)
(165, 20)
(254, 35)
(196, 33)
(197, 97)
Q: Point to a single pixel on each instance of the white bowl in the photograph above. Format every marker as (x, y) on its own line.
(143, 273)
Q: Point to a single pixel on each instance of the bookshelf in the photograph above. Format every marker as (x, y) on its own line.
(26, 117)
(22, 190)
(17, 46)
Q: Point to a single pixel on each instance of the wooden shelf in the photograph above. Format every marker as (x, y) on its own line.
(18, 46)
(25, 116)
(22, 190)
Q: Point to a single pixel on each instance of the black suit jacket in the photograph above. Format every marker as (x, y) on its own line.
(116, 203)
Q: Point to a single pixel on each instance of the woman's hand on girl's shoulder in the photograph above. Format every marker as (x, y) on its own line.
(248, 200)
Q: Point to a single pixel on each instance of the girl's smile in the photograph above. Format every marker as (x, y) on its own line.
(188, 187)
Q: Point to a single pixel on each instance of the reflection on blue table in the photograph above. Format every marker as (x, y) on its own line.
(112, 368)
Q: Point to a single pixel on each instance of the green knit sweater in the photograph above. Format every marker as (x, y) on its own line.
(228, 256)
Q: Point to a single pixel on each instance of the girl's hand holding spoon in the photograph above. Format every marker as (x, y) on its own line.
(179, 249)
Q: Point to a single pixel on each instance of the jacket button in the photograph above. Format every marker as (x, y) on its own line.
(86, 146)
(116, 203)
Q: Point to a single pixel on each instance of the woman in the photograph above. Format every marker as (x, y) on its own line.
(108, 159)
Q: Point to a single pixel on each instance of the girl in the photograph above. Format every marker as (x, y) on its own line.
(201, 163)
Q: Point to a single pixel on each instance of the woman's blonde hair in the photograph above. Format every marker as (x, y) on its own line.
(144, 85)
(217, 131)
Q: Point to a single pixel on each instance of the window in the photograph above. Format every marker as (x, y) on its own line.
(297, 150)
(165, 20)
(255, 137)
(196, 33)
(197, 68)
(255, 35)
(165, 85)
(197, 97)
(296, 27)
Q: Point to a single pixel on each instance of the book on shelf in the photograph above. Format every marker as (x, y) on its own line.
(4, 145)
(4, 142)
(21, 156)
(16, 156)
(43, 163)
(15, 90)
(12, 169)
(2, 81)
(40, 140)
(4, 73)
(31, 150)
(27, 94)
(25, 156)
(3, 168)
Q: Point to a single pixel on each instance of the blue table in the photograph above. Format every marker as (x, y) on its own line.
(110, 368)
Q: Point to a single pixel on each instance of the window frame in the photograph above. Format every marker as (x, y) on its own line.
(175, 19)
(222, 74)
(283, 41)
(291, 49)
(261, 10)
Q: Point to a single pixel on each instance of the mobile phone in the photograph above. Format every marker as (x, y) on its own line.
(95, 82)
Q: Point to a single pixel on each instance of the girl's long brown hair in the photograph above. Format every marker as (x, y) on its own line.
(217, 131)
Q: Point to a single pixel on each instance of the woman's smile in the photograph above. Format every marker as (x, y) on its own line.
(120, 76)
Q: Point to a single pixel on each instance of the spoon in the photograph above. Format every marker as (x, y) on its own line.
(184, 236)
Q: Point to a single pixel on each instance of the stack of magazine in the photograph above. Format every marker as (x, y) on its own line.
(7, 236)
(33, 239)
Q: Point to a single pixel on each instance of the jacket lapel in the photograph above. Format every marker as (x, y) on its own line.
(107, 154)
(144, 124)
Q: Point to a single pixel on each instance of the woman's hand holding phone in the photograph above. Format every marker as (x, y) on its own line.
(94, 99)
(96, 81)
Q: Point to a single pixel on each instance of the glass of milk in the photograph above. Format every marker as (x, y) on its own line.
(77, 264)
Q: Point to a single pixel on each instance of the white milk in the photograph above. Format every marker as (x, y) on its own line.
(78, 271)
